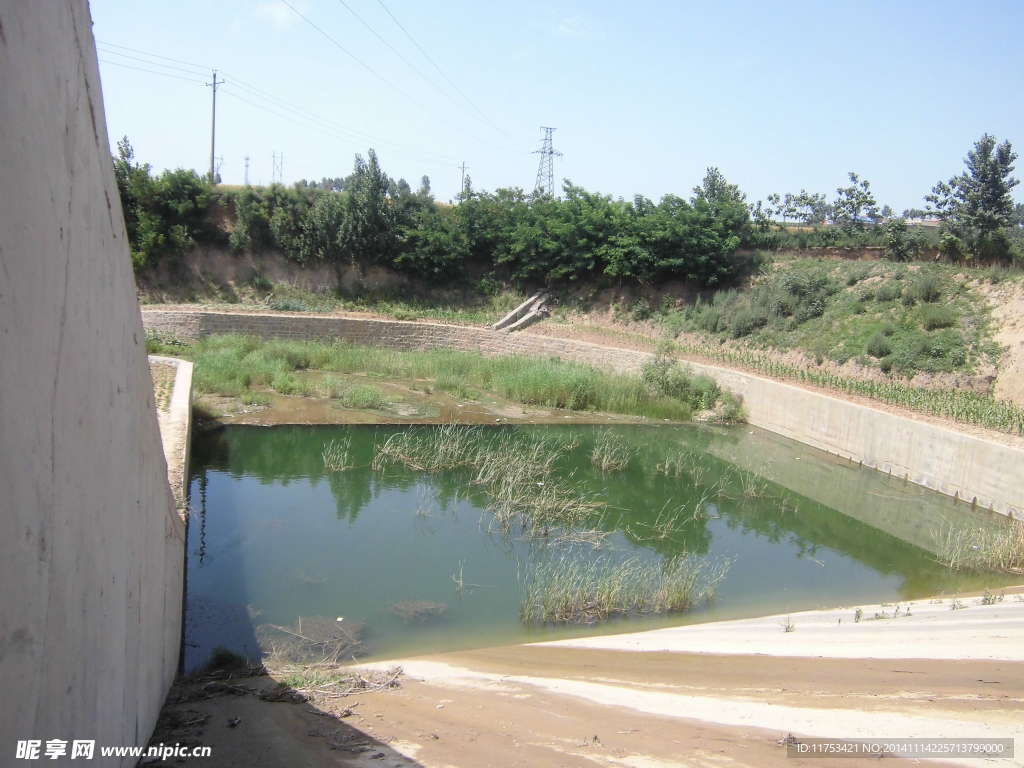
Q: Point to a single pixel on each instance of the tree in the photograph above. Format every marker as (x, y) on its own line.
(854, 199)
(811, 208)
(718, 192)
(975, 205)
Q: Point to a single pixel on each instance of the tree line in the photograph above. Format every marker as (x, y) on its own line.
(535, 237)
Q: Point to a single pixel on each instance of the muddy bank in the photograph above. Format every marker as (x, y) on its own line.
(410, 402)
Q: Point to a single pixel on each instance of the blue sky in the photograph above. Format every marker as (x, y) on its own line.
(645, 96)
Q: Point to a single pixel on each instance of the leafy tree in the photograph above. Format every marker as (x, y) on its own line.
(811, 208)
(368, 232)
(977, 204)
(852, 200)
(164, 215)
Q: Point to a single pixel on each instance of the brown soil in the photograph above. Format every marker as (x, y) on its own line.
(413, 406)
(502, 722)
(1007, 301)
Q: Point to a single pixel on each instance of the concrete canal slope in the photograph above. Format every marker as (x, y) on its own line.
(971, 468)
(704, 695)
(93, 548)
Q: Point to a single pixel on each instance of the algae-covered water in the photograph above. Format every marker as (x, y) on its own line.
(275, 537)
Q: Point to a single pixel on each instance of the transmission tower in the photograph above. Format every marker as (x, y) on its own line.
(278, 170)
(546, 171)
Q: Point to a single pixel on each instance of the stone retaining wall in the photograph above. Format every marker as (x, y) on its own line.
(970, 468)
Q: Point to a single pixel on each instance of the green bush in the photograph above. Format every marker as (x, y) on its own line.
(879, 346)
(746, 321)
(933, 317)
(927, 289)
(888, 291)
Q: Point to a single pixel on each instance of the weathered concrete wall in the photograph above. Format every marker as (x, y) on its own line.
(93, 547)
(947, 461)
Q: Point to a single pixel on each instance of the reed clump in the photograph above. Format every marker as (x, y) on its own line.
(609, 453)
(335, 455)
(981, 549)
(364, 397)
(515, 472)
(571, 589)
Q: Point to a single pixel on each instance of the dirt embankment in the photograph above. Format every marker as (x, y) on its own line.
(1007, 302)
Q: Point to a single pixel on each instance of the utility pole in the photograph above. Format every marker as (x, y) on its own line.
(213, 127)
(462, 189)
(247, 170)
(546, 170)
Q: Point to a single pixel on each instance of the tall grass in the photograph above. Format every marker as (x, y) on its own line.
(230, 365)
(980, 549)
(515, 472)
(335, 455)
(609, 453)
(352, 395)
(574, 590)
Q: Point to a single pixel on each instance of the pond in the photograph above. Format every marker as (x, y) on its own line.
(420, 549)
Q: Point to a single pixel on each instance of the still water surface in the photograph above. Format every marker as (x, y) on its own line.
(274, 537)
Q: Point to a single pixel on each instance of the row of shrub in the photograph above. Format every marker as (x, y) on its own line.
(368, 218)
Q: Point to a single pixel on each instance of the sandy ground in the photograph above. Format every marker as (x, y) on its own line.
(726, 693)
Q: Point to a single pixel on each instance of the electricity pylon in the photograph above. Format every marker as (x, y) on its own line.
(546, 171)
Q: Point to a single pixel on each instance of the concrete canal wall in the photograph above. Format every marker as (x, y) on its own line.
(92, 559)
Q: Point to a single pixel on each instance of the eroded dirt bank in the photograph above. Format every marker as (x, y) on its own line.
(565, 704)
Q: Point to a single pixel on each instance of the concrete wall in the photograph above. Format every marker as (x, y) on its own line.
(93, 547)
(947, 461)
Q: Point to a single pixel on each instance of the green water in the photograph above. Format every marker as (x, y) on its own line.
(274, 537)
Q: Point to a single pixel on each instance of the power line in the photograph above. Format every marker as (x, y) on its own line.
(453, 85)
(153, 55)
(154, 63)
(333, 129)
(264, 95)
(330, 133)
(384, 80)
(307, 115)
(151, 71)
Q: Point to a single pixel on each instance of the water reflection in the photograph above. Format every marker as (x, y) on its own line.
(278, 538)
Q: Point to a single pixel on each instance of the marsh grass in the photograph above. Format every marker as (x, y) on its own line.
(570, 589)
(514, 471)
(673, 520)
(352, 395)
(609, 453)
(335, 455)
(230, 365)
(980, 549)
